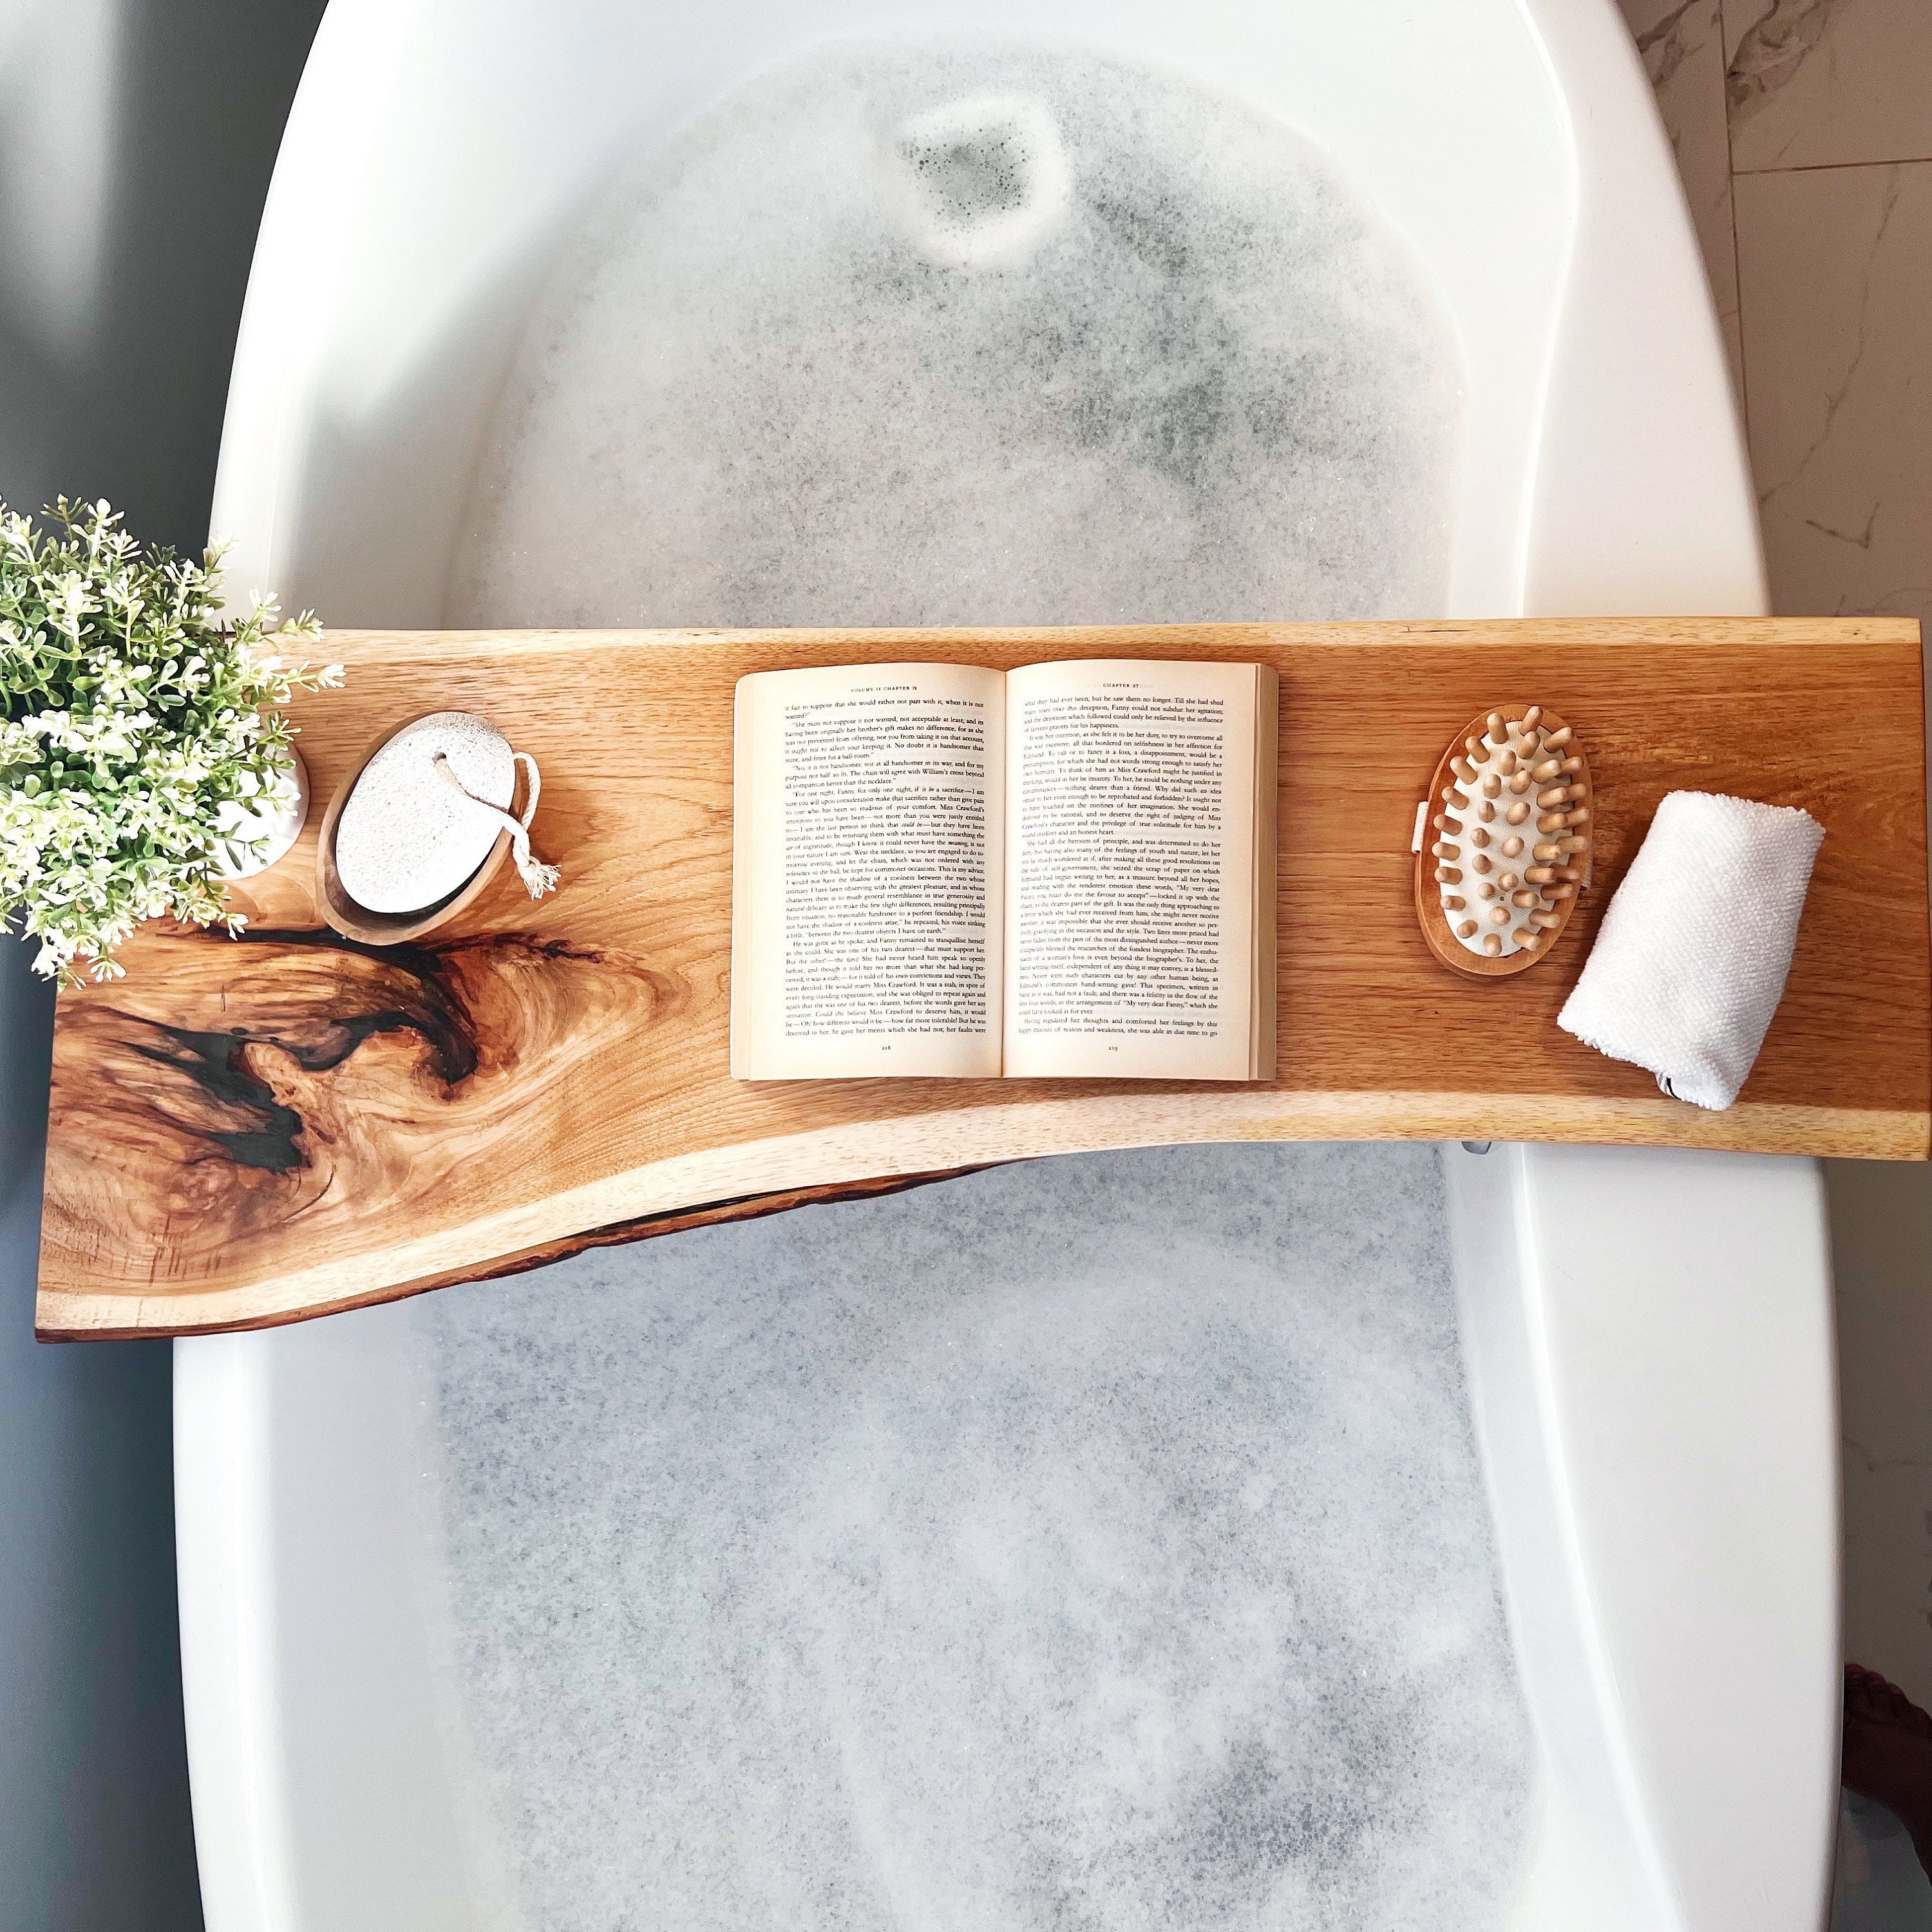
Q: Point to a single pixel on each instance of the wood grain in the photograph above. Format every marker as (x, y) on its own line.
(249, 1131)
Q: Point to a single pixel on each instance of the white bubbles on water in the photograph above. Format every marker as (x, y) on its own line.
(926, 336)
(978, 184)
(1096, 1544)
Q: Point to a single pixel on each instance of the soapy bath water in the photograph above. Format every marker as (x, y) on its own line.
(1096, 1543)
(933, 337)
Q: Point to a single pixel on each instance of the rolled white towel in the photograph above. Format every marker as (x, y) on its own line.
(1690, 961)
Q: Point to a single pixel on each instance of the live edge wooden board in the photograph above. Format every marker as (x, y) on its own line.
(249, 1131)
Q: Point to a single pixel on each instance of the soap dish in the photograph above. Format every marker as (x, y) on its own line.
(1503, 842)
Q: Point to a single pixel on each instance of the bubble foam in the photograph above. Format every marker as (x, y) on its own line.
(1091, 1543)
(904, 336)
(1095, 1543)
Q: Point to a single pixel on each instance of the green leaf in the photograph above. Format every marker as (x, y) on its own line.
(130, 715)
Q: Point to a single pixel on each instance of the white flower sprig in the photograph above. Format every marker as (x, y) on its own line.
(131, 712)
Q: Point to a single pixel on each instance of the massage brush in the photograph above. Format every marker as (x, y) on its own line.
(1502, 842)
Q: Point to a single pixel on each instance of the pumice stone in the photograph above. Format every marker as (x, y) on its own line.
(406, 838)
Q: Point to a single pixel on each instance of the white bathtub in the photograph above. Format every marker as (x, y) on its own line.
(1649, 1355)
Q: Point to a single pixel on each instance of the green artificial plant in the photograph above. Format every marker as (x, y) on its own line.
(132, 712)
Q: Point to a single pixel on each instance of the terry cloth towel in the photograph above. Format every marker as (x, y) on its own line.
(1690, 963)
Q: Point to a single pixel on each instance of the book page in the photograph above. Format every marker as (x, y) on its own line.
(1130, 883)
(867, 859)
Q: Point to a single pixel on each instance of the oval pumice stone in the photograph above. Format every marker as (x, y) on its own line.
(404, 841)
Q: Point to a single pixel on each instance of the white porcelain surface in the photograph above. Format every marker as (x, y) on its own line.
(276, 819)
(1654, 1394)
(1651, 1360)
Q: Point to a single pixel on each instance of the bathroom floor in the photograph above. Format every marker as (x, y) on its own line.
(1803, 132)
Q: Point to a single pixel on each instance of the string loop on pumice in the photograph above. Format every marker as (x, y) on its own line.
(538, 877)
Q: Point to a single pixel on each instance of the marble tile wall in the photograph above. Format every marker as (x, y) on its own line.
(1682, 43)
(1803, 130)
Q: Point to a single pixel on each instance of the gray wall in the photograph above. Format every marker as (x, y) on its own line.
(136, 138)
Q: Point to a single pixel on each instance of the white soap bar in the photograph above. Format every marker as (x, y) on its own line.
(405, 840)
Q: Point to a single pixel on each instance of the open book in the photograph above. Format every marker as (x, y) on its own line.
(1066, 869)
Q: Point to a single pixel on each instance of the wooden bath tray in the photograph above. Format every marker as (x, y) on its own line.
(246, 1132)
